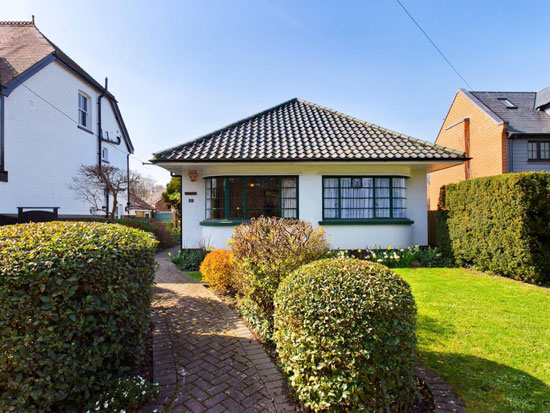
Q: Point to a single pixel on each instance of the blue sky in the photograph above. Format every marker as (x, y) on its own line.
(181, 69)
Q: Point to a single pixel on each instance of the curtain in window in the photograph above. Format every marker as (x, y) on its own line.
(289, 205)
(364, 197)
(382, 197)
(356, 197)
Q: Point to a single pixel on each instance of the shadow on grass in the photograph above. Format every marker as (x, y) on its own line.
(437, 331)
(488, 386)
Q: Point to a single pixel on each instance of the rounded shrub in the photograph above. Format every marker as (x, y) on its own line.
(345, 335)
(217, 270)
(266, 250)
(74, 311)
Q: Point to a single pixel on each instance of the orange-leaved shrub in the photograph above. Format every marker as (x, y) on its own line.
(217, 270)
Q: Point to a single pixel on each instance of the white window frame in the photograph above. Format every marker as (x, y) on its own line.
(84, 113)
(104, 154)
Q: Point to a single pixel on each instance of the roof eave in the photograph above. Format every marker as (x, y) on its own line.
(161, 162)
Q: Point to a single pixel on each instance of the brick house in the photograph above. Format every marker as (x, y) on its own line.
(500, 132)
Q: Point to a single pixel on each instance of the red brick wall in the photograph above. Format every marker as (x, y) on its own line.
(487, 146)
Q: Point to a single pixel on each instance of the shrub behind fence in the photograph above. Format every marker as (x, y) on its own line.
(499, 224)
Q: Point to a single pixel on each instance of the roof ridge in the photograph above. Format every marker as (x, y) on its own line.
(243, 120)
(364, 122)
(16, 23)
(499, 91)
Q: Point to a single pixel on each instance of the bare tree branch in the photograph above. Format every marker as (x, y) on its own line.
(91, 182)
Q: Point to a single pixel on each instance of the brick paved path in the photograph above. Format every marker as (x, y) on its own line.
(205, 359)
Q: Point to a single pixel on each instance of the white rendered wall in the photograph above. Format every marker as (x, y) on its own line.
(44, 148)
(195, 235)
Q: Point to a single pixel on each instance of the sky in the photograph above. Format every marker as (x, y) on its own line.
(181, 69)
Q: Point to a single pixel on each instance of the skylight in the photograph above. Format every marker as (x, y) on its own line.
(507, 103)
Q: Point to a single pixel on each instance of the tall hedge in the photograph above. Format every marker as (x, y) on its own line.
(499, 224)
(74, 311)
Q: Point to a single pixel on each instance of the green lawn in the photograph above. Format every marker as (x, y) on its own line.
(489, 337)
(196, 275)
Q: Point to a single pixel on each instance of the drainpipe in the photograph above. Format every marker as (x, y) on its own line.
(511, 163)
(467, 171)
(172, 174)
(99, 136)
(128, 178)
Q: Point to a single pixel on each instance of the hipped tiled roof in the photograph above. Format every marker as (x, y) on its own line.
(298, 130)
(138, 203)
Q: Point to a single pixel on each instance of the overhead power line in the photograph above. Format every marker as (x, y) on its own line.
(433, 44)
(75, 122)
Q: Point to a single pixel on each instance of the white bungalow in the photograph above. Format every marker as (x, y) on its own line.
(364, 184)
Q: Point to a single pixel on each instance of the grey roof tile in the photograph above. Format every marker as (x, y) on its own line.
(525, 119)
(302, 131)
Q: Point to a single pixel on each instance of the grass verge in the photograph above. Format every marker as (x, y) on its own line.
(489, 337)
(196, 275)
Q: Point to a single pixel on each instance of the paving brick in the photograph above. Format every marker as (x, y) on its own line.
(204, 355)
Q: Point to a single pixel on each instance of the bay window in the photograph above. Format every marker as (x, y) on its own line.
(246, 197)
(364, 197)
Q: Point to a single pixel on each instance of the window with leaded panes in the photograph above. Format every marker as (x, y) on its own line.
(364, 197)
(246, 197)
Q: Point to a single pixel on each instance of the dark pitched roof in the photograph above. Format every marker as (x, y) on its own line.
(138, 203)
(524, 119)
(23, 47)
(302, 131)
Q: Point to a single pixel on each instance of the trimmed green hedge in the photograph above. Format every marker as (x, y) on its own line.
(345, 334)
(161, 231)
(74, 311)
(499, 224)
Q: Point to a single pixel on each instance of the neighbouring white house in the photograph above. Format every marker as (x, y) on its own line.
(364, 184)
(54, 117)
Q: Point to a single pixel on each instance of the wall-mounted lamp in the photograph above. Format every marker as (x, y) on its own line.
(193, 176)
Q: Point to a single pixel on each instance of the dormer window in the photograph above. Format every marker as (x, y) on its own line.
(83, 112)
(507, 103)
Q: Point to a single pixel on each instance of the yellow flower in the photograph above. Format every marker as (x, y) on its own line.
(389, 247)
(169, 254)
(358, 250)
(373, 255)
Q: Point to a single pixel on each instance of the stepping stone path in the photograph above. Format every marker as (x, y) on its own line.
(204, 358)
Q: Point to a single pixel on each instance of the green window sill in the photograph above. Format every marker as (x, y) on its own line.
(222, 222)
(379, 221)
